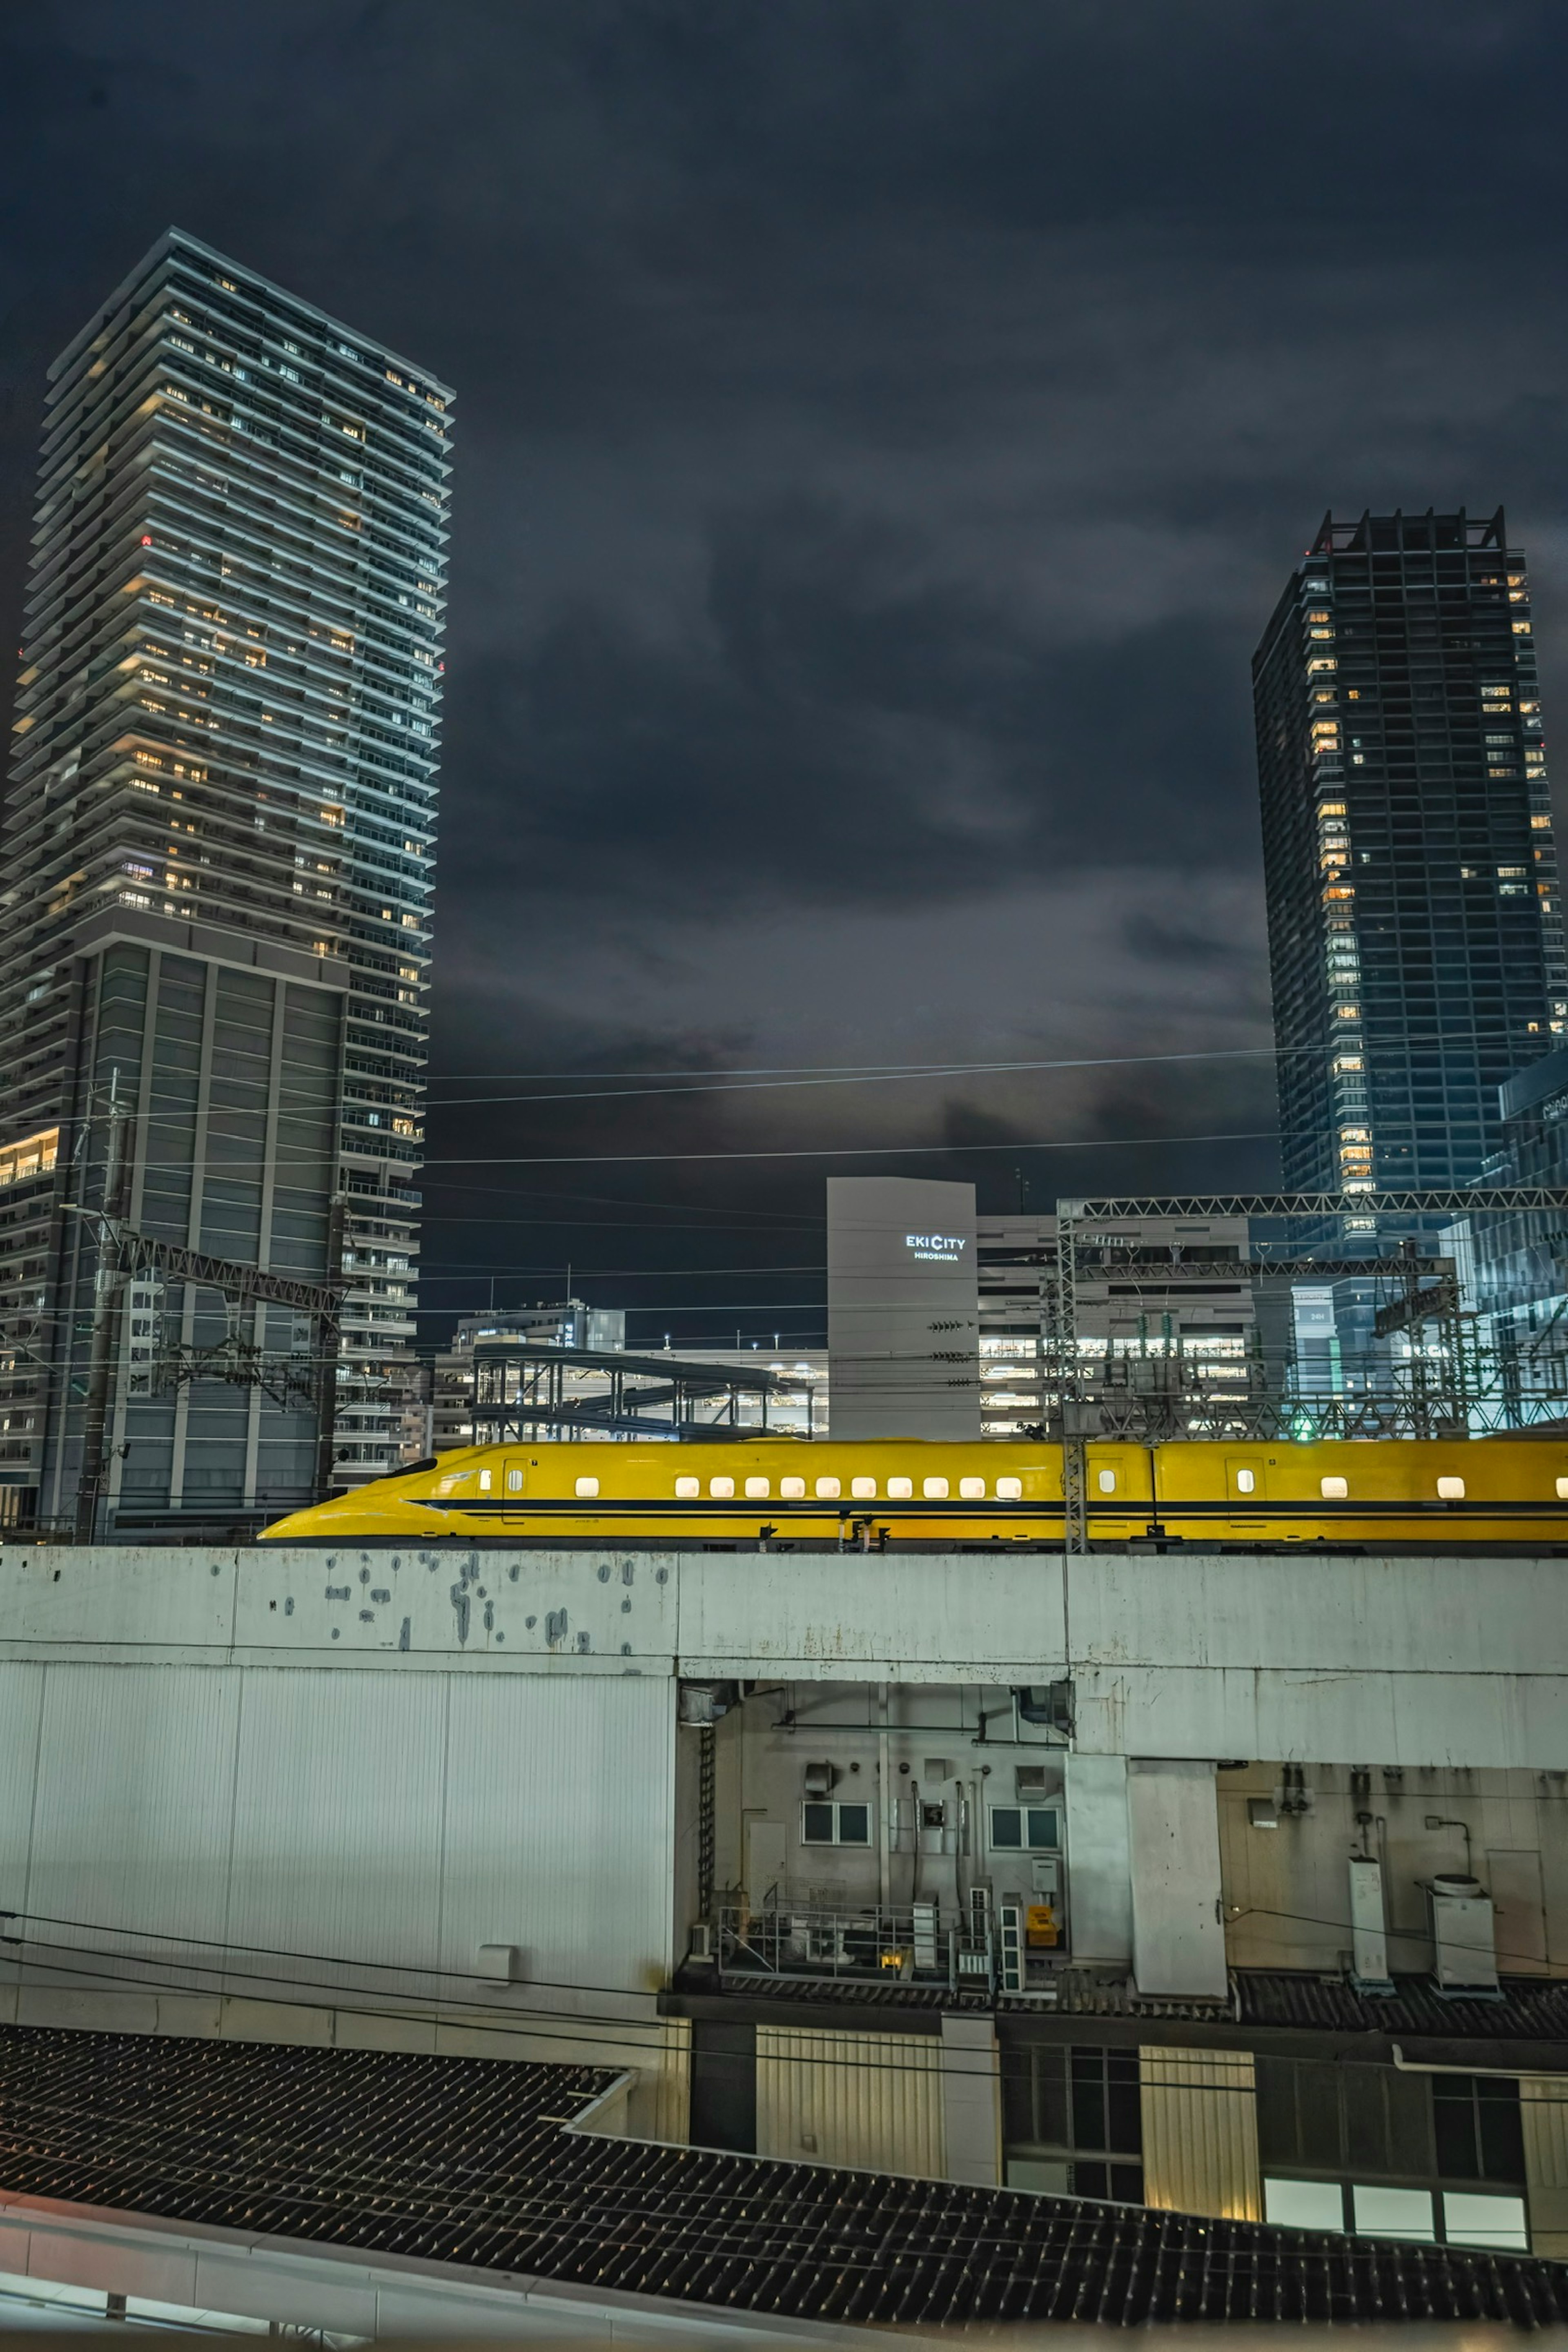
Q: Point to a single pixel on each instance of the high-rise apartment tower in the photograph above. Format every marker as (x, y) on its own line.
(1415, 915)
(218, 849)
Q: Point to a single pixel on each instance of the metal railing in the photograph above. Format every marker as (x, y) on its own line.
(920, 1943)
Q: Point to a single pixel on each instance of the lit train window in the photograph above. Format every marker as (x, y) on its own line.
(1009, 1490)
(515, 1481)
(723, 1488)
(792, 1489)
(1451, 1490)
(687, 1489)
(1245, 1480)
(1334, 1490)
(1107, 1482)
(584, 1486)
(757, 1487)
(485, 1482)
(829, 1488)
(935, 1489)
(863, 1488)
(971, 1489)
(1563, 1490)
(901, 1489)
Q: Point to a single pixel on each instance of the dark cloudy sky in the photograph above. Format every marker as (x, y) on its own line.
(884, 426)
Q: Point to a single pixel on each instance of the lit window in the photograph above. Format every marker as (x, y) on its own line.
(792, 1489)
(901, 1489)
(1304, 2204)
(862, 1488)
(514, 1481)
(1010, 1490)
(757, 1489)
(973, 1489)
(485, 1482)
(1451, 1490)
(1245, 1480)
(1392, 2213)
(935, 1489)
(587, 1486)
(1106, 1482)
(722, 1487)
(1563, 1490)
(1334, 1490)
(1472, 2219)
(830, 1489)
(687, 1489)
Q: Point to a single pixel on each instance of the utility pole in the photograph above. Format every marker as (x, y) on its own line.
(108, 1295)
(1060, 1288)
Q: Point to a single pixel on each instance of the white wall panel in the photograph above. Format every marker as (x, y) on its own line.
(1178, 1938)
(866, 2099)
(843, 1617)
(135, 1779)
(21, 1706)
(337, 1829)
(559, 1831)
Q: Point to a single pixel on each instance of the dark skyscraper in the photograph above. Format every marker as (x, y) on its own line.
(217, 846)
(1415, 918)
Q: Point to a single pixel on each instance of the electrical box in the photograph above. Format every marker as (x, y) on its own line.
(1368, 1926)
(1463, 1934)
(500, 1963)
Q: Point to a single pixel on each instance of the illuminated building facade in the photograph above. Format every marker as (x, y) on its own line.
(218, 848)
(1414, 914)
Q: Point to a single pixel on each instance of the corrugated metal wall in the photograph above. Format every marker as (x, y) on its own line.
(325, 1819)
(871, 2099)
(1200, 2132)
(1543, 2112)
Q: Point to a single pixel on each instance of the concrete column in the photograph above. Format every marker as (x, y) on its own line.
(971, 2101)
(1178, 1931)
(1099, 1859)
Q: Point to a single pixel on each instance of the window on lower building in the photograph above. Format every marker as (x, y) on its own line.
(1476, 2128)
(1024, 1829)
(1072, 2121)
(835, 1825)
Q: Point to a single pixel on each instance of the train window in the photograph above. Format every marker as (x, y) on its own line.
(1107, 1482)
(687, 1489)
(584, 1486)
(484, 1481)
(514, 1478)
(862, 1488)
(1451, 1490)
(1334, 1490)
(792, 1489)
(971, 1489)
(1563, 1490)
(722, 1487)
(1245, 1480)
(934, 1488)
(1010, 1490)
(757, 1487)
(830, 1489)
(901, 1489)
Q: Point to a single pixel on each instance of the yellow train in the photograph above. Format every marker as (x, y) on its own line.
(893, 1493)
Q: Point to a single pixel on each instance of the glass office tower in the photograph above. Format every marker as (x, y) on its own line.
(1414, 917)
(217, 848)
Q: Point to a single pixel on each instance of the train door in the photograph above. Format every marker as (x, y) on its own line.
(1246, 1488)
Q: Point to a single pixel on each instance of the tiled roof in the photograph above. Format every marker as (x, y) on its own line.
(464, 2160)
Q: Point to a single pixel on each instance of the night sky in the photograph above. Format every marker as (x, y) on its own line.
(883, 429)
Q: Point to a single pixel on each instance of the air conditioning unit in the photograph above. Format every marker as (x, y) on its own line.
(1463, 1934)
(819, 1781)
(1368, 1926)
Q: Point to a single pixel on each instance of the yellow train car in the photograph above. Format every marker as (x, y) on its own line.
(894, 1493)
